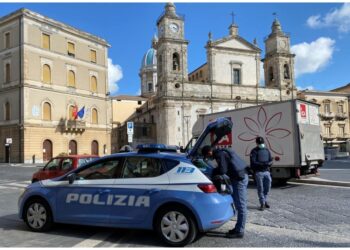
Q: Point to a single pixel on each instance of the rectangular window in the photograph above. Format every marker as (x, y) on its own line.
(236, 76)
(7, 40)
(71, 49)
(93, 56)
(46, 41)
(7, 73)
(328, 131)
(340, 109)
(327, 107)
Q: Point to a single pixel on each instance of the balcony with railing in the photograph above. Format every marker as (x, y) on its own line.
(328, 136)
(74, 125)
(326, 116)
(343, 136)
(341, 116)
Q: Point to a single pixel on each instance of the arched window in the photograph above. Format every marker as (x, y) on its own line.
(7, 111)
(286, 71)
(94, 116)
(94, 147)
(46, 111)
(176, 61)
(73, 147)
(271, 74)
(150, 87)
(93, 80)
(46, 74)
(7, 73)
(71, 78)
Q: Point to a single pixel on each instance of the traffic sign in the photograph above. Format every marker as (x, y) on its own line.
(130, 138)
(8, 140)
(130, 128)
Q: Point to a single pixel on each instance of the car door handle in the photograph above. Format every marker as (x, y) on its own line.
(153, 191)
(104, 191)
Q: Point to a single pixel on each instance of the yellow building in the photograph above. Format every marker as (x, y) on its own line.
(123, 108)
(48, 72)
(334, 116)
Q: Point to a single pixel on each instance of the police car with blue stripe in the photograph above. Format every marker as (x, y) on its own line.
(168, 192)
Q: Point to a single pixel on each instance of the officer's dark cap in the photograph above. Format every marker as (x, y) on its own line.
(259, 140)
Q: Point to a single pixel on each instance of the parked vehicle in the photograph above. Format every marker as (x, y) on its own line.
(60, 165)
(291, 130)
(149, 189)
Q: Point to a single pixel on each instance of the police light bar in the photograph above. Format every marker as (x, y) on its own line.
(156, 147)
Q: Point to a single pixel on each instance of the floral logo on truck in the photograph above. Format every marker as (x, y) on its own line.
(268, 128)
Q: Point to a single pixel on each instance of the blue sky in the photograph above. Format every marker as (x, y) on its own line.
(319, 33)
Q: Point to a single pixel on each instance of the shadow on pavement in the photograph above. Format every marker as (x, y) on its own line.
(121, 236)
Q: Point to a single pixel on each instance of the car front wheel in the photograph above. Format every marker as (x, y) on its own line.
(37, 215)
(176, 226)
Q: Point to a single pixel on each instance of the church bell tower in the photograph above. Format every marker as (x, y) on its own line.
(279, 61)
(171, 51)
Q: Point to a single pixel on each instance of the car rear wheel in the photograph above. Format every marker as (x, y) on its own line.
(176, 226)
(38, 216)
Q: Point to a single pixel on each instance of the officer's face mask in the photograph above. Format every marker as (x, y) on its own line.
(261, 145)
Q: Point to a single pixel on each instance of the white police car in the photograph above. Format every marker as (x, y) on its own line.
(145, 190)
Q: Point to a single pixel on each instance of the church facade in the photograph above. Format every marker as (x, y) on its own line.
(228, 80)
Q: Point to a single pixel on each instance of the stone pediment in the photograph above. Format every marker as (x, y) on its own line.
(235, 42)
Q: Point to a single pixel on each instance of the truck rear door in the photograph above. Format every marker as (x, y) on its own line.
(310, 140)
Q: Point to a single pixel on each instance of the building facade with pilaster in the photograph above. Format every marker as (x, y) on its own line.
(50, 71)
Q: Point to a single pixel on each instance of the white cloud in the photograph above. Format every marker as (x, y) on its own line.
(138, 92)
(115, 73)
(339, 18)
(314, 56)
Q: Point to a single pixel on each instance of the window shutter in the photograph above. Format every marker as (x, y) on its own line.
(93, 84)
(7, 40)
(46, 74)
(93, 56)
(94, 116)
(71, 48)
(8, 73)
(46, 41)
(7, 111)
(47, 112)
(71, 79)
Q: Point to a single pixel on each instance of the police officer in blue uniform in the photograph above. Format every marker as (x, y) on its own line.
(231, 164)
(260, 163)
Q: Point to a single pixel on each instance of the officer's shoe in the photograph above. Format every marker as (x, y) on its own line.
(267, 205)
(234, 234)
(261, 208)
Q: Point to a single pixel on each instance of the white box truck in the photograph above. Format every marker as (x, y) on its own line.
(291, 130)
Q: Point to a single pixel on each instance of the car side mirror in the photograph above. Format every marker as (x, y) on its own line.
(71, 178)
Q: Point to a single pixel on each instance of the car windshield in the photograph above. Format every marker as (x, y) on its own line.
(83, 161)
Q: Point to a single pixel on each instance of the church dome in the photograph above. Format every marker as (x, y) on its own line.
(149, 58)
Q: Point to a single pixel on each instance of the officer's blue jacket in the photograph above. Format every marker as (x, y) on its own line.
(229, 163)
